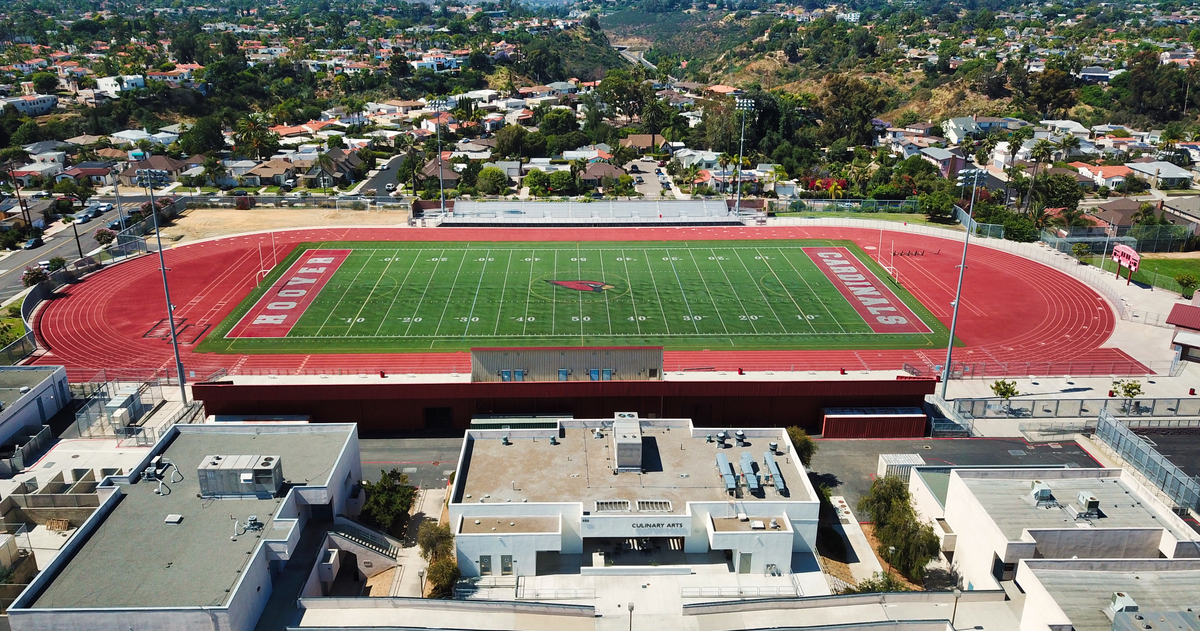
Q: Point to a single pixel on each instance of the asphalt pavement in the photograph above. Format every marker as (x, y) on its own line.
(427, 462)
(59, 244)
(650, 187)
(382, 177)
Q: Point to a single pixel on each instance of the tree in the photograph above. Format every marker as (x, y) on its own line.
(1188, 282)
(436, 541)
(56, 263)
(537, 180)
(45, 82)
(879, 583)
(1042, 151)
(104, 236)
(558, 121)
(33, 276)
(253, 135)
(510, 140)
(1052, 90)
(205, 136)
(804, 445)
(491, 181)
(562, 182)
(1005, 390)
(848, 106)
(214, 170)
(442, 575)
(938, 206)
(1128, 389)
(905, 542)
(389, 499)
(1081, 250)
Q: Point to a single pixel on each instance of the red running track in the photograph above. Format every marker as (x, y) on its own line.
(1018, 317)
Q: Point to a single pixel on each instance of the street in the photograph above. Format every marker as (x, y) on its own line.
(382, 178)
(59, 244)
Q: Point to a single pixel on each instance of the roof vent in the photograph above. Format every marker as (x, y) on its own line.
(1040, 492)
(1120, 602)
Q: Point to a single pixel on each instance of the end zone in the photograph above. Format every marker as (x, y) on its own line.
(278, 309)
(879, 307)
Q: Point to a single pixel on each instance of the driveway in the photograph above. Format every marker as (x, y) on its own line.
(650, 187)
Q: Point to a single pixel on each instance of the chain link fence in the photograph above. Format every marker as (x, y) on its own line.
(846, 206)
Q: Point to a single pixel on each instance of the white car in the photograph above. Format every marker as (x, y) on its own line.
(390, 187)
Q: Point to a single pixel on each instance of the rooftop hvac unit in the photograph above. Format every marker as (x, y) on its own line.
(626, 415)
(627, 445)
(1119, 602)
(1040, 492)
(240, 476)
(1087, 502)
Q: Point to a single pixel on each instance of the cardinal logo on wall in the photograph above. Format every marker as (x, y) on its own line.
(582, 285)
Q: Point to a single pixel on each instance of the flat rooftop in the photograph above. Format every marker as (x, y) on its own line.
(1182, 449)
(678, 469)
(733, 524)
(1083, 594)
(1007, 503)
(12, 380)
(848, 466)
(135, 559)
(501, 525)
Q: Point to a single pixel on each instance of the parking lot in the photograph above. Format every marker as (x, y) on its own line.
(651, 186)
(427, 462)
(848, 466)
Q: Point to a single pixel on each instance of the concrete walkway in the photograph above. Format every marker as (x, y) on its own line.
(427, 506)
(867, 564)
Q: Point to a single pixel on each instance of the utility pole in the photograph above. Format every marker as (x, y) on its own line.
(965, 176)
(149, 178)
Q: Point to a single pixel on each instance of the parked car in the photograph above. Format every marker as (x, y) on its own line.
(35, 242)
(391, 186)
(639, 180)
(95, 211)
(298, 194)
(239, 193)
(82, 217)
(43, 195)
(385, 166)
(633, 168)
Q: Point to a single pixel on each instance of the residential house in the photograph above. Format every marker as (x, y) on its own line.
(595, 173)
(702, 159)
(441, 168)
(172, 166)
(1110, 176)
(1162, 174)
(643, 143)
(1082, 180)
(948, 162)
(271, 172)
(88, 173)
(113, 86)
(340, 173)
(1117, 213)
(960, 129)
(1183, 211)
(31, 104)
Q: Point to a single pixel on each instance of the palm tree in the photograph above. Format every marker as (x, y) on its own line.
(214, 170)
(1069, 145)
(253, 133)
(1042, 151)
(1016, 175)
(834, 190)
(325, 163)
(724, 160)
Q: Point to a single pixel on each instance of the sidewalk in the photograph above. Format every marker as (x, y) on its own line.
(407, 580)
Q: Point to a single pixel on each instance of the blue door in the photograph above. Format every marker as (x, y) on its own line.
(608, 374)
(562, 374)
(505, 375)
(595, 372)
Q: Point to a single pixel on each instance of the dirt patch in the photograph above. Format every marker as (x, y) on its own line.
(838, 569)
(380, 585)
(204, 223)
(869, 531)
(1171, 255)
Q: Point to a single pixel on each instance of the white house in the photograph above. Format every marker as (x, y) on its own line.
(112, 86)
(31, 104)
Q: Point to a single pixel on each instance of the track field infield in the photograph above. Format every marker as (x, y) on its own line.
(352, 297)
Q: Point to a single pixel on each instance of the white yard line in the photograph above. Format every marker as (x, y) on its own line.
(421, 300)
(686, 304)
(503, 288)
(810, 289)
(399, 290)
(475, 300)
(453, 284)
(632, 301)
(692, 254)
(758, 286)
(378, 280)
(339, 302)
(804, 316)
(741, 305)
(657, 295)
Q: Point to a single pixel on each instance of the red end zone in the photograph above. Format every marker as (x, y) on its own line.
(277, 311)
(878, 306)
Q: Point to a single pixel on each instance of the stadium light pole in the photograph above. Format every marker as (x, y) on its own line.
(972, 177)
(439, 105)
(149, 178)
(743, 106)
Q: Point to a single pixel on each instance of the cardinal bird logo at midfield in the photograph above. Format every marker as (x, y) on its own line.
(582, 285)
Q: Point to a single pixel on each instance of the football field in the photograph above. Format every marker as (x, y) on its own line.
(443, 296)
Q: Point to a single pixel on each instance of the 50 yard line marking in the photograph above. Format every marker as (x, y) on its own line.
(606, 307)
(529, 293)
(632, 301)
(503, 288)
(579, 274)
(657, 296)
(399, 290)
(477, 287)
(421, 300)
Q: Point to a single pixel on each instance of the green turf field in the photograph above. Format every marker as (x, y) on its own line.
(443, 296)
